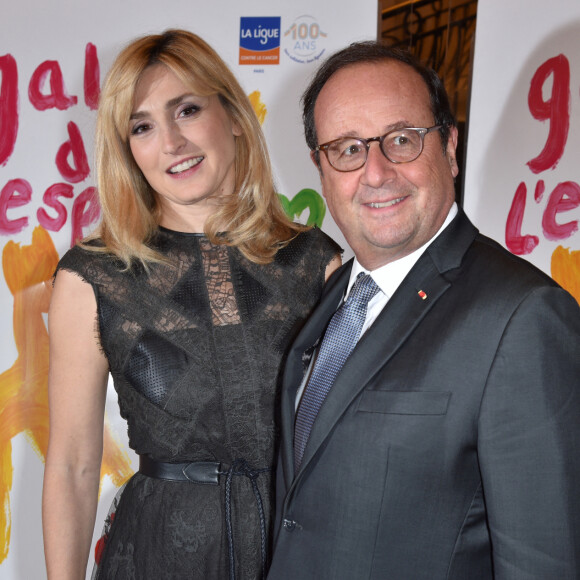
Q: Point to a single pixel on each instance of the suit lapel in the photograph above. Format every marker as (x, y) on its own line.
(294, 366)
(400, 317)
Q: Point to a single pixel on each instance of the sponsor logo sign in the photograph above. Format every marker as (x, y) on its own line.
(260, 40)
(304, 40)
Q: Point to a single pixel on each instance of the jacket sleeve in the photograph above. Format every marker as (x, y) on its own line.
(529, 441)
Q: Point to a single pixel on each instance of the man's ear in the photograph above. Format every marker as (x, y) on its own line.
(451, 151)
(315, 157)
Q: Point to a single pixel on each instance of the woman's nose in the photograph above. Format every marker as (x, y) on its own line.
(173, 139)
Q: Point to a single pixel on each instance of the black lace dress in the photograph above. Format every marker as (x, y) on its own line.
(195, 352)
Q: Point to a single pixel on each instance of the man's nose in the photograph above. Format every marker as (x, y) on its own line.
(377, 169)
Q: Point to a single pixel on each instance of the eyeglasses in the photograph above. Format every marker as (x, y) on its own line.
(398, 146)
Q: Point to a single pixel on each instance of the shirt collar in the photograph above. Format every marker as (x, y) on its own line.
(389, 277)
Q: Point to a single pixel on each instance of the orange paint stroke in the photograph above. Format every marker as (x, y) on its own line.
(566, 270)
(258, 106)
(23, 387)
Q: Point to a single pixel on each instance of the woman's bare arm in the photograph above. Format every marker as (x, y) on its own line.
(77, 389)
(333, 265)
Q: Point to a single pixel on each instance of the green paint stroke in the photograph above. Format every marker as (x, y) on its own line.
(305, 199)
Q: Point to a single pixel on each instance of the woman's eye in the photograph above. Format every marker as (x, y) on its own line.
(139, 129)
(188, 110)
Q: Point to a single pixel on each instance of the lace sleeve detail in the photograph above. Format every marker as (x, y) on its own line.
(328, 247)
(82, 263)
(315, 248)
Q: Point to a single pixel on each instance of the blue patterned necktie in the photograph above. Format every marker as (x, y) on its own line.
(339, 340)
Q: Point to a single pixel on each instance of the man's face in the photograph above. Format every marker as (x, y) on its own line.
(385, 210)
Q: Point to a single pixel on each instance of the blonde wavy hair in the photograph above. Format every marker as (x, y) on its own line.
(252, 218)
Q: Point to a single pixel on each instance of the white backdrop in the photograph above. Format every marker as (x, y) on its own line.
(51, 56)
(523, 149)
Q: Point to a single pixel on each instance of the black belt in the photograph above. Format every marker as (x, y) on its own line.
(208, 472)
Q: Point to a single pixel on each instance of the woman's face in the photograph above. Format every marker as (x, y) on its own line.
(185, 146)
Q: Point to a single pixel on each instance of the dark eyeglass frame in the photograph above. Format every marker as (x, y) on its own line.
(421, 131)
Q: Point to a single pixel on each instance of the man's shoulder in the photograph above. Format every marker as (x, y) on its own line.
(497, 261)
(464, 248)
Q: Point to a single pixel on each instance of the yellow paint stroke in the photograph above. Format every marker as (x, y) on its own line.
(258, 106)
(566, 270)
(23, 387)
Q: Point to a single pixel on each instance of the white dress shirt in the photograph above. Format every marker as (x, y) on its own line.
(388, 278)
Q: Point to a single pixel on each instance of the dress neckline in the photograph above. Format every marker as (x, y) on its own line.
(178, 233)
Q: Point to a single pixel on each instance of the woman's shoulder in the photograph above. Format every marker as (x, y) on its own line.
(314, 239)
(88, 260)
(312, 247)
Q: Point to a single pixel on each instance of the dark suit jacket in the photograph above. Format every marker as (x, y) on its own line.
(449, 446)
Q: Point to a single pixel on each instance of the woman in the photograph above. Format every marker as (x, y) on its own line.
(188, 295)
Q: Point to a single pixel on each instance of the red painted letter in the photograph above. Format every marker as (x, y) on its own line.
(92, 77)
(85, 211)
(515, 242)
(556, 109)
(74, 145)
(58, 97)
(566, 196)
(50, 198)
(16, 193)
(8, 107)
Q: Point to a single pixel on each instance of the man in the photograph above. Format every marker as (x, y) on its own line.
(447, 446)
